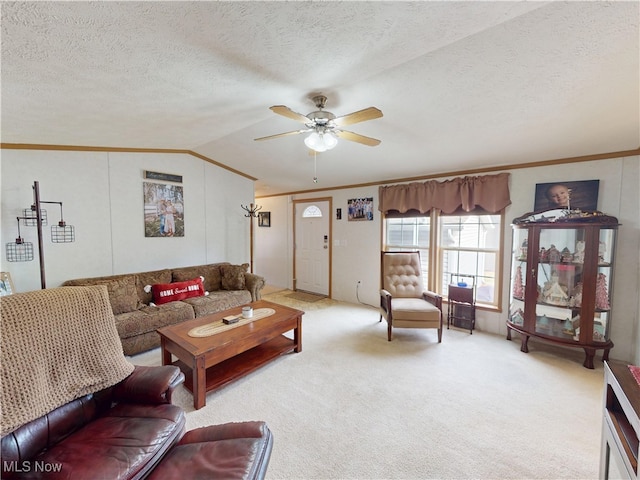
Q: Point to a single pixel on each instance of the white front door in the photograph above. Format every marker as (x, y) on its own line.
(312, 246)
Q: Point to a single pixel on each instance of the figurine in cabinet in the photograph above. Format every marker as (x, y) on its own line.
(518, 289)
(602, 297)
(598, 332)
(517, 317)
(554, 293)
(602, 250)
(576, 299)
(568, 327)
(544, 255)
(554, 254)
(566, 255)
(523, 250)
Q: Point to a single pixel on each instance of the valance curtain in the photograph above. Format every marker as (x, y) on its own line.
(489, 192)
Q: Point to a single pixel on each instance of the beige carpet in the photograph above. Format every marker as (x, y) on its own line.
(352, 405)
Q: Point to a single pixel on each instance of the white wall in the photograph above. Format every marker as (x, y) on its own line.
(102, 198)
(272, 245)
(356, 245)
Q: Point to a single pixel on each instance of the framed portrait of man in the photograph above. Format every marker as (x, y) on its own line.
(581, 195)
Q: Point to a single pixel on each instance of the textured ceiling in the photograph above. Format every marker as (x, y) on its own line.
(462, 85)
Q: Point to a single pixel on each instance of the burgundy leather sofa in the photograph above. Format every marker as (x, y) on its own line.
(120, 432)
(132, 431)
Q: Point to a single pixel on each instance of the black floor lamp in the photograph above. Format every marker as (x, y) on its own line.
(21, 251)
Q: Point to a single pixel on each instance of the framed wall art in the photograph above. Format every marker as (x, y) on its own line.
(264, 219)
(163, 210)
(360, 209)
(581, 195)
(6, 284)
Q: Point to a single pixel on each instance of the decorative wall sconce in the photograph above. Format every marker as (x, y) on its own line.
(252, 212)
(21, 251)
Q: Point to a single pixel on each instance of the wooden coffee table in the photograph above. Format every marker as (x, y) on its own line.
(231, 351)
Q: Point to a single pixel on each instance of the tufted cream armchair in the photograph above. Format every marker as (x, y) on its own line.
(404, 302)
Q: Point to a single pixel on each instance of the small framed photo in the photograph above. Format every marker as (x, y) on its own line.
(360, 209)
(6, 284)
(581, 195)
(264, 219)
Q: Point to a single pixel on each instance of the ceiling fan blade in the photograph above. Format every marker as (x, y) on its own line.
(359, 116)
(287, 112)
(295, 132)
(355, 137)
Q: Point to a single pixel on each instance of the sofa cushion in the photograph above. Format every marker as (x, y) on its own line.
(233, 276)
(123, 295)
(150, 318)
(218, 301)
(211, 273)
(172, 292)
(126, 443)
(150, 278)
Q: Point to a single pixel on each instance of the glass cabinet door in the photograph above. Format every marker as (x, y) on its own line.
(559, 278)
(604, 285)
(518, 276)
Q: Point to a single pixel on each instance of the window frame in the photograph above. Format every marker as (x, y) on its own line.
(434, 276)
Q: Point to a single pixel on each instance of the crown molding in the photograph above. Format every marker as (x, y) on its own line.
(475, 171)
(77, 148)
(543, 163)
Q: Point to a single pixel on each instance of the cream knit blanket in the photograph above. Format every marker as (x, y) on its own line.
(56, 345)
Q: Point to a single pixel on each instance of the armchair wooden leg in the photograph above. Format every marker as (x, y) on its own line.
(440, 335)
(380, 318)
(389, 330)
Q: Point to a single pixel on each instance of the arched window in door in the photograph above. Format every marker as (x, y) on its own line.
(311, 211)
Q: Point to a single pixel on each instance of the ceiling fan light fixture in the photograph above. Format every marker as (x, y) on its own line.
(330, 140)
(321, 142)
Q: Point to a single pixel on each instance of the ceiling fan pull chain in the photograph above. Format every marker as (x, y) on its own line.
(315, 173)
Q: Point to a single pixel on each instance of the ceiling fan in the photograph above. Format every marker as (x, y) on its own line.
(324, 127)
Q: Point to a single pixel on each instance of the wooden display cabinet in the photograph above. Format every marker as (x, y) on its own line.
(561, 279)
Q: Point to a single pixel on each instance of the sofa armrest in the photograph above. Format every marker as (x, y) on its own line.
(254, 283)
(230, 451)
(152, 385)
(227, 431)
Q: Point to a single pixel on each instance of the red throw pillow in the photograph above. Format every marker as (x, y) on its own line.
(170, 292)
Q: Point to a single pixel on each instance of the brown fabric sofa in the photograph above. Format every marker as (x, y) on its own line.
(77, 409)
(137, 319)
